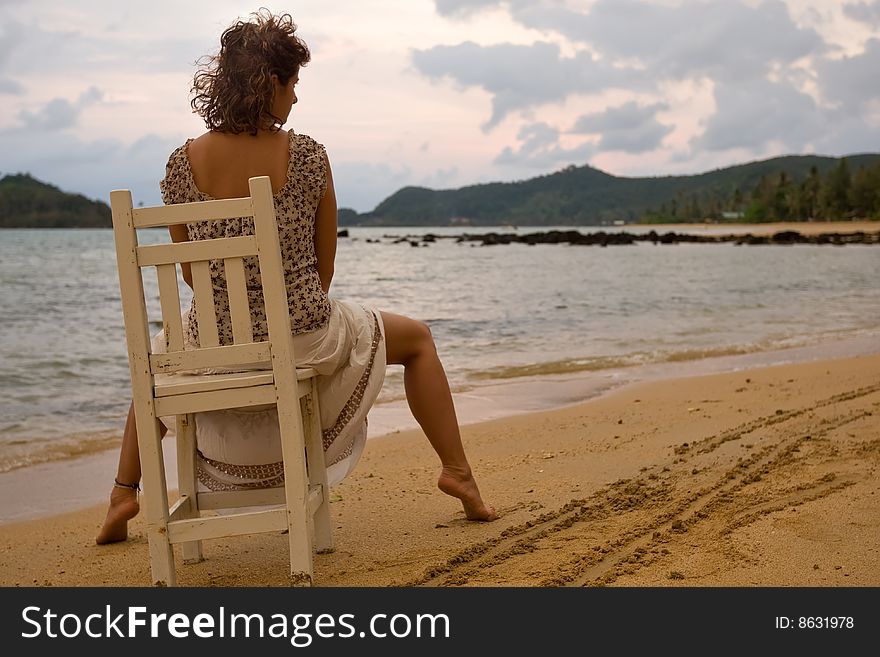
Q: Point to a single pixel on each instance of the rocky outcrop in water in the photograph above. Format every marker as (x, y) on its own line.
(602, 238)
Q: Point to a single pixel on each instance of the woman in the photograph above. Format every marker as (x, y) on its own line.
(245, 95)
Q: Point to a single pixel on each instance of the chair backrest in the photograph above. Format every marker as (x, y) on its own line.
(132, 257)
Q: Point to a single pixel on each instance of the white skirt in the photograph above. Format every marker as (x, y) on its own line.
(241, 448)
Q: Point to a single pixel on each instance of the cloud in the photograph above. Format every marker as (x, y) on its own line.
(520, 76)
(631, 127)
(459, 8)
(774, 81)
(59, 113)
(722, 40)
(56, 115)
(755, 113)
(462, 7)
(536, 137)
(362, 185)
(55, 51)
(540, 149)
(753, 54)
(865, 12)
(849, 135)
(10, 87)
(92, 168)
(851, 82)
(441, 178)
(9, 39)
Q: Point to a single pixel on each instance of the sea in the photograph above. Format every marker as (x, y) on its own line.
(501, 316)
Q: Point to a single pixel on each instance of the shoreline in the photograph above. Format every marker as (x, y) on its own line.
(755, 477)
(500, 398)
(811, 227)
(808, 228)
(499, 392)
(803, 227)
(72, 484)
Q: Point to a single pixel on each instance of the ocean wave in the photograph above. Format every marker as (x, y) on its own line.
(46, 450)
(554, 367)
(599, 363)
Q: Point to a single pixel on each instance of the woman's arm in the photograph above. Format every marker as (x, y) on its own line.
(325, 231)
(179, 234)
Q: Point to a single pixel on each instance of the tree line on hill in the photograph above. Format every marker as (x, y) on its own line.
(839, 194)
(26, 202)
(788, 187)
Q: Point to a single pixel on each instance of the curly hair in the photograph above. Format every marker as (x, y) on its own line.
(233, 90)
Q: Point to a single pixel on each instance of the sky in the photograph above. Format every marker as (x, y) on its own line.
(94, 94)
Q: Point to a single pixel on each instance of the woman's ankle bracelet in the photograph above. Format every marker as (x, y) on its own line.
(118, 484)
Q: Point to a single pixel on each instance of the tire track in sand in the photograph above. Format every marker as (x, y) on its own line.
(655, 490)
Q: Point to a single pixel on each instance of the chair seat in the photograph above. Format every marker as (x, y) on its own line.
(168, 385)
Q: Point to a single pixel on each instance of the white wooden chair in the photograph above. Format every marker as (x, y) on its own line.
(161, 386)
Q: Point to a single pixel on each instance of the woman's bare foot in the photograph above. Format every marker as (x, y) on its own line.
(123, 507)
(461, 484)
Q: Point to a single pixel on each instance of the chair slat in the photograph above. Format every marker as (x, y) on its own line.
(186, 213)
(239, 309)
(240, 498)
(181, 384)
(137, 337)
(181, 509)
(203, 296)
(289, 417)
(182, 531)
(316, 498)
(216, 249)
(256, 354)
(169, 297)
(196, 402)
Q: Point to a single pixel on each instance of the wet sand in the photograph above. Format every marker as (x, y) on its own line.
(762, 477)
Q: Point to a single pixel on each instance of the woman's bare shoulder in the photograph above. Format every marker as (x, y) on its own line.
(204, 142)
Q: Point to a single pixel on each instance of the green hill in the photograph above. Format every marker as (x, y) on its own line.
(794, 187)
(25, 202)
(587, 196)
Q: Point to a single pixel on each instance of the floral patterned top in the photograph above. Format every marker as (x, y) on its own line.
(295, 206)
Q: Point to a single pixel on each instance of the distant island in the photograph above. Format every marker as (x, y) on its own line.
(789, 188)
(26, 202)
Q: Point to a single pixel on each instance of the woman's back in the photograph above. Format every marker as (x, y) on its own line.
(222, 163)
(218, 166)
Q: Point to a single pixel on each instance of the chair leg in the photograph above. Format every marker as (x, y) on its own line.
(296, 492)
(155, 499)
(322, 522)
(187, 482)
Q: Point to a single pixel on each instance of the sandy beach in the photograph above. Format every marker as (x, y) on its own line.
(760, 477)
(802, 227)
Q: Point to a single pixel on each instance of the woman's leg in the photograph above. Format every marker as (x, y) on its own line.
(409, 343)
(124, 501)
